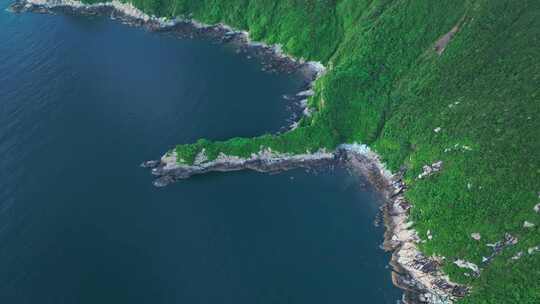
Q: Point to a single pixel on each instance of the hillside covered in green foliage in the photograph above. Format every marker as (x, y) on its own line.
(475, 106)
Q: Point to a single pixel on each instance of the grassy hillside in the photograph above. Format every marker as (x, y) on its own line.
(387, 87)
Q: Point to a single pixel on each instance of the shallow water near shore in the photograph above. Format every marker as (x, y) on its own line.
(84, 100)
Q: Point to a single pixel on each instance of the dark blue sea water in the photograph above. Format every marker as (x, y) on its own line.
(83, 101)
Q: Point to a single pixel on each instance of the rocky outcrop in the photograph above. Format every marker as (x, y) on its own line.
(468, 265)
(527, 224)
(476, 236)
(420, 276)
(498, 247)
(533, 250)
(429, 170)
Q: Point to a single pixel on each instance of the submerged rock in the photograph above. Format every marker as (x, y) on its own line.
(150, 164)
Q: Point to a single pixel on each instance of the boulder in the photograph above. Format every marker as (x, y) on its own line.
(533, 250)
(476, 236)
(517, 256)
(430, 169)
(150, 164)
(468, 265)
(527, 224)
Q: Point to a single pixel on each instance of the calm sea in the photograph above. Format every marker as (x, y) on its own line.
(83, 101)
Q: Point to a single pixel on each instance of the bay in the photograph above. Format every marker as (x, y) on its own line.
(84, 100)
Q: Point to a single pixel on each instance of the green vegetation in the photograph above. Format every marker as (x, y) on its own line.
(387, 87)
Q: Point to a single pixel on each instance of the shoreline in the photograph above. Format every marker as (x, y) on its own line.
(418, 276)
(271, 57)
(168, 170)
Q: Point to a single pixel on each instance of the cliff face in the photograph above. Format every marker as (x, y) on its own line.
(421, 82)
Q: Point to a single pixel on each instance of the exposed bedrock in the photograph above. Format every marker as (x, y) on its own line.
(169, 170)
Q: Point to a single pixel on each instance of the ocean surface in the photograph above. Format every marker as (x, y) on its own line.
(84, 100)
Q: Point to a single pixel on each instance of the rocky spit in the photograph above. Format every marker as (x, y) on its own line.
(418, 276)
(168, 170)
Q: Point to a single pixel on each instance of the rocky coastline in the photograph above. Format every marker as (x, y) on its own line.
(271, 57)
(420, 277)
(168, 170)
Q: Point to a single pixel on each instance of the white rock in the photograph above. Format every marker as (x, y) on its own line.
(201, 157)
(465, 264)
(476, 236)
(437, 130)
(428, 170)
(533, 249)
(309, 92)
(527, 224)
(517, 256)
(537, 208)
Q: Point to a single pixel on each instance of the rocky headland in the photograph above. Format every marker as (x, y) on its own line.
(168, 169)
